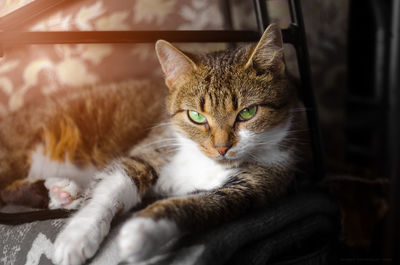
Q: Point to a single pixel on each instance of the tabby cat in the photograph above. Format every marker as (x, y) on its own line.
(222, 144)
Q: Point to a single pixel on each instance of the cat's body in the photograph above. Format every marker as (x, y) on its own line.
(72, 136)
(226, 146)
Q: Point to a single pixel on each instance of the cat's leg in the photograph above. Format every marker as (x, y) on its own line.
(147, 232)
(118, 189)
(84, 232)
(141, 237)
(167, 219)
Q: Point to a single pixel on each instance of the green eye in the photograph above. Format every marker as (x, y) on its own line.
(247, 113)
(196, 117)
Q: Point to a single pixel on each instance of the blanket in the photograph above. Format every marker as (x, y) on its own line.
(263, 235)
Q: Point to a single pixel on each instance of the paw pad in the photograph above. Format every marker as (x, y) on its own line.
(63, 193)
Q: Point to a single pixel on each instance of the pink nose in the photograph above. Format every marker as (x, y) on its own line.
(222, 149)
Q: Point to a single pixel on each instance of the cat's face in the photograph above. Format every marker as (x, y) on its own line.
(229, 103)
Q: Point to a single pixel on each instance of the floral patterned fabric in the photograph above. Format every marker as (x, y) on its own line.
(33, 71)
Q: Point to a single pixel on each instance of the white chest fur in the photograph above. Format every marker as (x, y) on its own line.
(190, 170)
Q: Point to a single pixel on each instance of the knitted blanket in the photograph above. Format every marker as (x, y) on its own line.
(258, 237)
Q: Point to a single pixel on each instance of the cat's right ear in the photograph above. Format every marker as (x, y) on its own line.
(174, 63)
(267, 55)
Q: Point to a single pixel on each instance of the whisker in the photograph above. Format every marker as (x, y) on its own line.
(161, 124)
(162, 141)
(301, 110)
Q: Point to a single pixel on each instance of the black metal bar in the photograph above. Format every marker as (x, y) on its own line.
(68, 37)
(394, 129)
(298, 30)
(8, 38)
(261, 15)
(28, 12)
(62, 37)
(293, 12)
(380, 49)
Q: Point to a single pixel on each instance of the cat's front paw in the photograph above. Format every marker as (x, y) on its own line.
(78, 242)
(63, 193)
(140, 238)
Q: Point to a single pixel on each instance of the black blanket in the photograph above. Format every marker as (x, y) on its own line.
(261, 236)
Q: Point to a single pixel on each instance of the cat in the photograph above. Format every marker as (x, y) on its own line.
(56, 148)
(223, 143)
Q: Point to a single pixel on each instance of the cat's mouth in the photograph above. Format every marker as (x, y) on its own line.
(227, 159)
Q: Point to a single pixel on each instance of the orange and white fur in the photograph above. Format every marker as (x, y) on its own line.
(223, 143)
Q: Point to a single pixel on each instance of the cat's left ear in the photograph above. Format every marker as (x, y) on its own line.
(174, 63)
(267, 56)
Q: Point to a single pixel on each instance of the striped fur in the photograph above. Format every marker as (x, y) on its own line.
(107, 130)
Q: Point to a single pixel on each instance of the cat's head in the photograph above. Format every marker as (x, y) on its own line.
(231, 102)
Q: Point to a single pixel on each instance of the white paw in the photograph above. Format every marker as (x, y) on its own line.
(140, 238)
(64, 193)
(79, 241)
